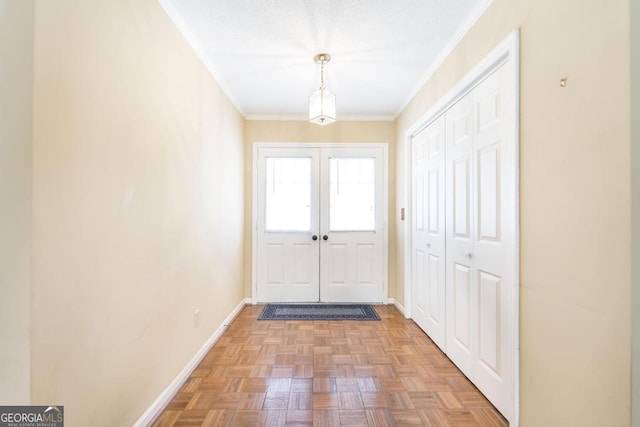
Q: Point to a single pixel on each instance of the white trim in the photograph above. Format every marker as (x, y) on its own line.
(192, 41)
(383, 145)
(298, 118)
(507, 51)
(254, 221)
(448, 49)
(408, 226)
(397, 305)
(385, 221)
(385, 208)
(158, 405)
(515, 60)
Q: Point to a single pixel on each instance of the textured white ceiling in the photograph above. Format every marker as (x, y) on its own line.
(261, 51)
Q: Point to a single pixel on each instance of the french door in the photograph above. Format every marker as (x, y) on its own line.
(319, 222)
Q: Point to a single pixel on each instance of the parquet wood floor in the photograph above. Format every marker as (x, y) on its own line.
(327, 373)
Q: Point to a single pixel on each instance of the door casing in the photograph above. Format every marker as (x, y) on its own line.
(385, 204)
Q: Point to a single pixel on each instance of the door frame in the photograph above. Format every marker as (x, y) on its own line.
(506, 53)
(385, 203)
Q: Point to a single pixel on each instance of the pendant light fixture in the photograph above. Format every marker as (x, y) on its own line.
(322, 104)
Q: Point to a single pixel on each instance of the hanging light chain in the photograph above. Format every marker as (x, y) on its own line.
(322, 58)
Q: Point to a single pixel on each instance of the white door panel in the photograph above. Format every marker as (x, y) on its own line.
(352, 227)
(428, 234)
(461, 325)
(288, 268)
(461, 199)
(489, 339)
(489, 197)
(436, 309)
(291, 270)
(495, 241)
(460, 232)
(480, 207)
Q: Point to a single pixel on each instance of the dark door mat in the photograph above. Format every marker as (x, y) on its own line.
(318, 312)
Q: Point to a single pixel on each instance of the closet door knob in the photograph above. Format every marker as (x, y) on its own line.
(468, 255)
(325, 237)
(314, 237)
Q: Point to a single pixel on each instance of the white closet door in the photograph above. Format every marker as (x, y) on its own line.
(493, 254)
(481, 178)
(428, 240)
(460, 274)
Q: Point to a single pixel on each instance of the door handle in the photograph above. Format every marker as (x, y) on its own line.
(314, 237)
(468, 255)
(325, 237)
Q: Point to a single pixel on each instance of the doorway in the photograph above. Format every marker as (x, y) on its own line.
(320, 223)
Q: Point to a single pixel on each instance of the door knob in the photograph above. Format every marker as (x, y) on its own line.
(468, 254)
(314, 237)
(325, 237)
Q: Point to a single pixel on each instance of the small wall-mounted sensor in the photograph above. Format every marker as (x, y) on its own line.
(563, 82)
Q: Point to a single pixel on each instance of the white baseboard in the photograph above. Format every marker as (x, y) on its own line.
(165, 397)
(399, 306)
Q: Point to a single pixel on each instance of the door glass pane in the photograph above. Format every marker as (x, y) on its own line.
(288, 198)
(352, 194)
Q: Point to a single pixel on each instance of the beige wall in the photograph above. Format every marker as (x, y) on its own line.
(575, 205)
(135, 151)
(302, 131)
(16, 115)
(635, 208)
(137, 207)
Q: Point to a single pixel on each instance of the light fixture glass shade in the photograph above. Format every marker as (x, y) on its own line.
(322, 107)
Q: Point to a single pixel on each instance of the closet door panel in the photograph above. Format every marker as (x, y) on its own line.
(462, 198)
(494, 156)
(489, 341)
(462, 322)
(428, 235)
(460, 274)
(489, 196)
